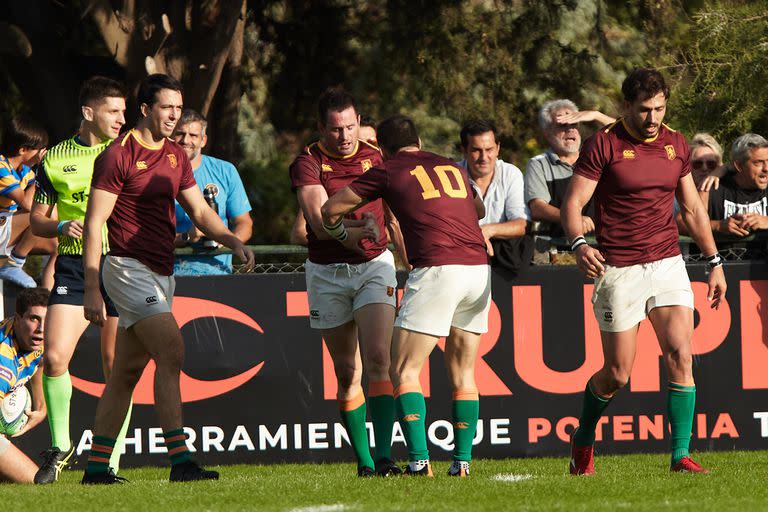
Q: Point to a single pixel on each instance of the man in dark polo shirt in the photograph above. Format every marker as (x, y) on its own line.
(633, 169)
(135, 182)
(448, 292)
(739, 206)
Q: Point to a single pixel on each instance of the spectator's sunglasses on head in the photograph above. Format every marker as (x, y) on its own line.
(700, 163)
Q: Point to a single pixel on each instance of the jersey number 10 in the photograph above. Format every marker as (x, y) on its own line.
(428, 190)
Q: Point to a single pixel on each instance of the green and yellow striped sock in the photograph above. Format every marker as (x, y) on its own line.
(176, 442)
(681, 404)
(412, 411)
(466, 410)
(382, 404)
(98, 459)
(353, 414)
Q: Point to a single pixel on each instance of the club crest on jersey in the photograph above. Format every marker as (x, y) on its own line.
(141, 165)
(670, 149)
(327, 168)
(629, 154)
(172, 160)
(367, 164)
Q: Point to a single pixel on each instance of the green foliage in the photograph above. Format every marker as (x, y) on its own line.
(274, 204)
(720, 72)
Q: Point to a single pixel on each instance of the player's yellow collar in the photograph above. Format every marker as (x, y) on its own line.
(632, 133)
(336, 155)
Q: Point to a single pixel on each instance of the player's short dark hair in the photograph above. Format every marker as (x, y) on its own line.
(153, 84)
(189, 115)
(22, 132)
(336, 99)
(30, 297)
(476, 127)
(644, 83)
(397, 132)
(368, 121)
(98, 87)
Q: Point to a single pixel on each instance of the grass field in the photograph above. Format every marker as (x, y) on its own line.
(633, 482)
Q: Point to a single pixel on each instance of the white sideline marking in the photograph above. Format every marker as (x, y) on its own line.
(321, 508)
(511, 477)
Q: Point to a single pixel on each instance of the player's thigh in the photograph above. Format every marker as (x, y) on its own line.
(619, 350)
(15, 466)
(428, 302)
(19, 222)
(330, 293)
(671, 306)
(342, 343)
(131, 357)
(620, 297)
(474, 281)
(374, 327)
(674, 328)
(64, 326)
(410, 349)
(160, 337)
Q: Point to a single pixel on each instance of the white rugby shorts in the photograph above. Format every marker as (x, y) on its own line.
(440, 297)
(623, 296)
(335, 291)
(136, 290)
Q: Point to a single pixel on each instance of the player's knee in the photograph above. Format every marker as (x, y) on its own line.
(616, 379)
(347, 375)
(680, 359)
(377, 363)
(54, 363)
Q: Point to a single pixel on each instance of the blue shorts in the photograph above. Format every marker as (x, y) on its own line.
(69, 283)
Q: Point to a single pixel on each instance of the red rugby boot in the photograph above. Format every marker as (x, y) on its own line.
(582, 459)
(688, 465)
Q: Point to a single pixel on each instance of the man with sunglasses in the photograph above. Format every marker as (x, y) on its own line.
(547, 175)
(739, 206)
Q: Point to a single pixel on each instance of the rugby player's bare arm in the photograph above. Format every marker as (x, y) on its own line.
(695, 218)
(580, 191)
(100, 206)
(311, 199)
(22, 198)
(209, 222)
(340, 204)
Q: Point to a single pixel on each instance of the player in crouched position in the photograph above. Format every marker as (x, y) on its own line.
(21, 355)
(448, 292)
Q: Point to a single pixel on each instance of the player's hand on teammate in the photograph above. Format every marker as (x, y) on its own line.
(487, 234)
(371, 227)
(717, 287)
(587, 224)
(34, 418)
(590, 261)
(93, 306)
(73, 229)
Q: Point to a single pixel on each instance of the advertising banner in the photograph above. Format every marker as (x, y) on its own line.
(258, 384)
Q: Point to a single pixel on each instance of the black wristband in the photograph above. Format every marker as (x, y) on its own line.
(578, 242)
(714, 261)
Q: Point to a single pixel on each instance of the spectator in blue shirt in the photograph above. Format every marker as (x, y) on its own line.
(223, 189)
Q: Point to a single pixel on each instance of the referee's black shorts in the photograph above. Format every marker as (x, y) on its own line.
(69, 283)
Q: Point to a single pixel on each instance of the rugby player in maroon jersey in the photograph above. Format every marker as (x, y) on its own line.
(448, 292)
(633, 169)
(351, 283)
(135, 182)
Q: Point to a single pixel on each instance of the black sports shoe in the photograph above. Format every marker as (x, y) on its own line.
(189, 471)
(107, 478)
(365, 472)
(385, 467)
(424, 471)
(54, 460)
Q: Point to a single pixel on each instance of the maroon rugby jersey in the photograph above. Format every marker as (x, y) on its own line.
(433, 201)
(636, 183)
(318, 166)
(147, 180)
